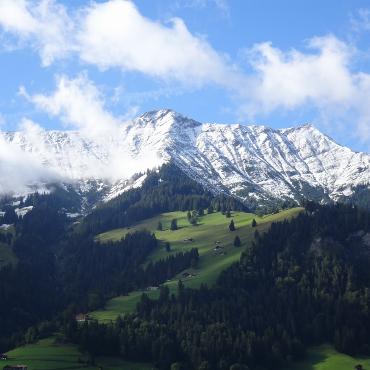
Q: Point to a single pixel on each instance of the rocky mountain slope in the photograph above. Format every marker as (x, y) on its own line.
(252, 163)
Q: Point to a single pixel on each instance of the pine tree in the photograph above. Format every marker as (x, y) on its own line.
(254, 223)
(237, 242)
(232, 226)
(188, 215)
(159, 226)
(173, 226)
(10, 217)
(228, 214)
(168, 247)
(210, 209)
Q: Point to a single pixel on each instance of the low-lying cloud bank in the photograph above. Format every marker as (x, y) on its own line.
(21, 171)
(95, 149)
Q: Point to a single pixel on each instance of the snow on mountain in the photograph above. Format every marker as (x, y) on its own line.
(253, 163)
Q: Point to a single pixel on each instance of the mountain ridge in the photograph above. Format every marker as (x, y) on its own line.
(250, 162)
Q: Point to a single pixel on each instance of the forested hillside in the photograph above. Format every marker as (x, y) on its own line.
(167, 189)
(304, 282)
(59, 270)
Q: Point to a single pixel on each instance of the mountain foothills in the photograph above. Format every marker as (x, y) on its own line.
(303, 282)
(256, 165)
(276, 290)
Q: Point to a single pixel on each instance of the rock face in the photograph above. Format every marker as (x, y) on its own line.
(252, 163)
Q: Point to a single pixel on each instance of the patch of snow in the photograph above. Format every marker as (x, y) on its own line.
(21, 212)
(5, 226)
(73, 215)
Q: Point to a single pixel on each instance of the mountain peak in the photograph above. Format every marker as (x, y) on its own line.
(251, 163)
(166, 118)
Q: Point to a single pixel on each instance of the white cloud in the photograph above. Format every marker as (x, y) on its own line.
(19, 170)
(15, 17)
(290, 79)
(321, 78)
(43, 24)
(115, 34)
(79, 105)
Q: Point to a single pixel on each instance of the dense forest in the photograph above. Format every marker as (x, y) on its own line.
(304, 282)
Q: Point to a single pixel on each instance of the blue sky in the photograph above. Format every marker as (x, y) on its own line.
(278, 63)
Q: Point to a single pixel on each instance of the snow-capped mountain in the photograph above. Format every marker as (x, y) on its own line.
(252, 163)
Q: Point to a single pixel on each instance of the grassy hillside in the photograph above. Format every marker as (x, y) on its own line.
(48, 355)
(211, 228)
(325, 357)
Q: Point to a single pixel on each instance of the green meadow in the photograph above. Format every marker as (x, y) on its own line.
(211, 228)
(325, 357)
(47, 354)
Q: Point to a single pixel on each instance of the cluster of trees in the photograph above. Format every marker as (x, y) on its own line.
(6, 238)
(60, 198)
(10, 217)
(164, 269)
(304, 282)
(360, 197)
(87, 267)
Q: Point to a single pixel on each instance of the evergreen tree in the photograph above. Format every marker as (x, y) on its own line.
(188, 216)
(159, 226)
(193, 220)
(237, 242)
(200, 212)
(168, 247)
(173, 226)
(10, 217)
(210, 209)
(232, 226)
(254, 223)
(228, 214)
